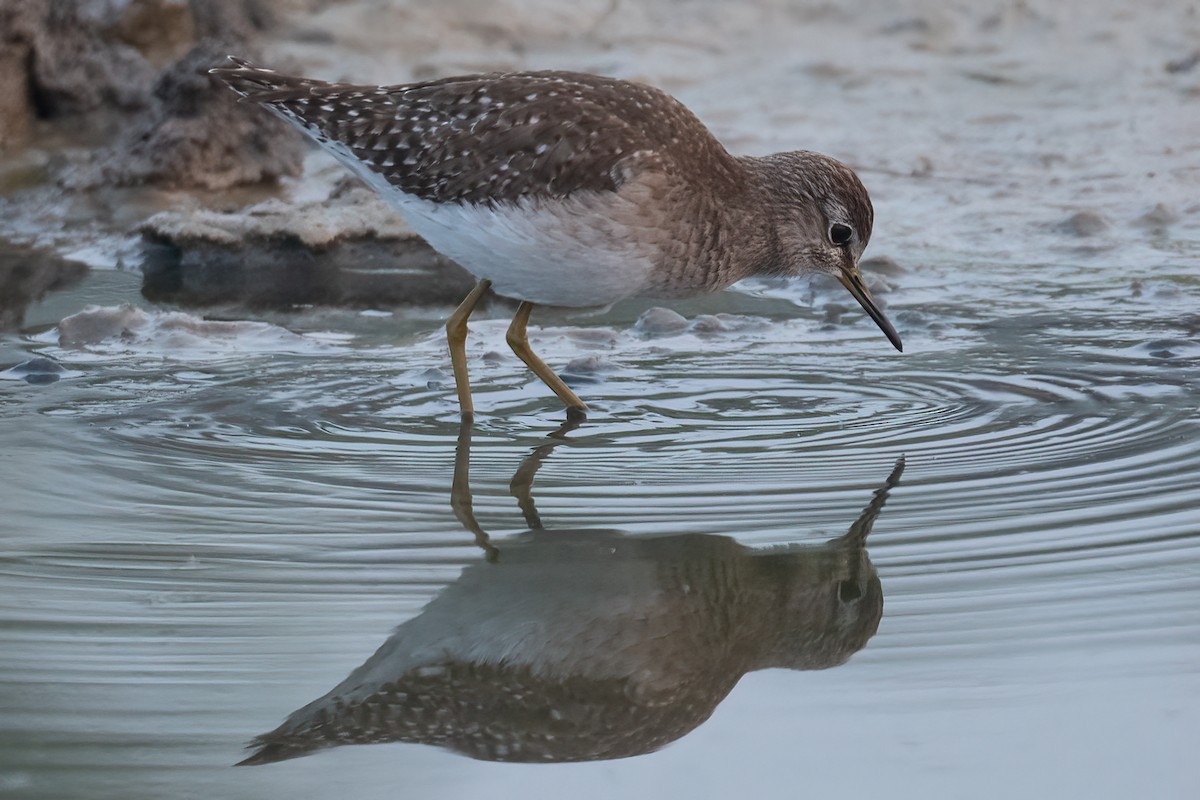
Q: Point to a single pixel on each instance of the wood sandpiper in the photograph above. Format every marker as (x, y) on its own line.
(568, 189)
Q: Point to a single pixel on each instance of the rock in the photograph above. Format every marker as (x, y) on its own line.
(132, 328)
(708, 323)
(89, 54)
(198, 136)
(587, 365)
(712, 324)
(585, 369)
(923, 168)
(93, 66)
(161, 30)
(1084, 223)
(1164, 290)
(876, 284)
(26, 275)
(95, 324)
(910, 318)
(1158, 216)
(37, 371)
(16, 104)
(881, 265)
(232, 20)
(434, 377)
(1185, 64)
(348, 250)
(907, 25)
(75, 66)
(659, 321)
(593, 337)
(1166, 348)
(833, 313)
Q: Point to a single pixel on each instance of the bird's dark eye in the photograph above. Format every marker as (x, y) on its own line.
(840, 234)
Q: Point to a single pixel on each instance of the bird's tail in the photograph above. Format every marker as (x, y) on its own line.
(264, 85)
(269, 750)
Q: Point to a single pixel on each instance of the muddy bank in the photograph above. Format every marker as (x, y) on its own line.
(129, 81)
(1003, 132)
(194, 136)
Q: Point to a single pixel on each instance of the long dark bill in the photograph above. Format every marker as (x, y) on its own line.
(854, 284)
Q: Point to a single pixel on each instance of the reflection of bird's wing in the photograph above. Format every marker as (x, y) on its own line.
(493, 138)
(502, 713)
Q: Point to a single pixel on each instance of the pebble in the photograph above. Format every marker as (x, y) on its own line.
(596, 337)
(833, 313)
(709, 323)
(585, 369)
(1167, 348)
(38, 370)
(1156, 289)
(877, 285)
(1161, 214)
(1084, 223)
(1185, 64)
(727, 323)
(911, 318)
(659, 321)
(881, 265)
(588, 364)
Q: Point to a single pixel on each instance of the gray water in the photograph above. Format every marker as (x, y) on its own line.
(204, 530)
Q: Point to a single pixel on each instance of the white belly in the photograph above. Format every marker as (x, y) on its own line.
(555, 252)
(576, 252)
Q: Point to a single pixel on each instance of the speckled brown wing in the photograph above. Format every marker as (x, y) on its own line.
(502, 712)
(497, 138)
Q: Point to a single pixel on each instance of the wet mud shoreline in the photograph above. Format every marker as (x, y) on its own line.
(219, 203)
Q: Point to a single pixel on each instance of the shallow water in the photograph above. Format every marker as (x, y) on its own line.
(205, 530)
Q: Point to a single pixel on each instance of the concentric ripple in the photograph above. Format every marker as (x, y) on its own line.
(183, 533)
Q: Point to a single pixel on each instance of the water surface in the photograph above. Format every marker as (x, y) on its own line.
(204, 531)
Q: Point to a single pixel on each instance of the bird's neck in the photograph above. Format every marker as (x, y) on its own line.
(750, 220)
(731, 224)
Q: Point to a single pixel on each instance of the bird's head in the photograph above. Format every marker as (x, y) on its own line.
(823, 219)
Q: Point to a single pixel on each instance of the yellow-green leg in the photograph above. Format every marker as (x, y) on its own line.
(456, 334)
(518, 340)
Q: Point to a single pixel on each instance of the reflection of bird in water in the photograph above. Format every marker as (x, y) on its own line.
(576, 645)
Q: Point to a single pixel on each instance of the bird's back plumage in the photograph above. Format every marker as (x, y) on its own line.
(494, 138)
(560, 188)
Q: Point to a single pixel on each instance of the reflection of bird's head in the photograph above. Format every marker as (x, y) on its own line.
(830, 604)
(830, 598)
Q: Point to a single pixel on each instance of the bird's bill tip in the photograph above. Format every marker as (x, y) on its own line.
(858, 290)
